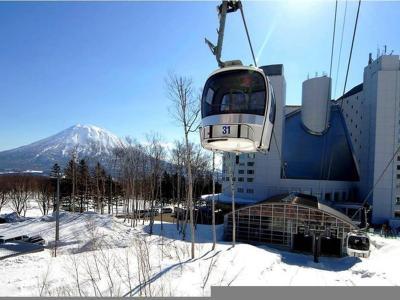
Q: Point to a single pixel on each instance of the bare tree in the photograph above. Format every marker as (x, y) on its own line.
(74, 157)
(19, 193)
(156, 154)
(185, 110)
(142, 251)
(178, 160)
(131, 163)
(99, 179)
(5, 189)
(45, 193)
(201, 167)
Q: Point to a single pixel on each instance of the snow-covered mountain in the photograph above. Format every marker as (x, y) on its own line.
(87, 141)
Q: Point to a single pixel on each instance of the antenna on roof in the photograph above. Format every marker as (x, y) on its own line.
(370, 58)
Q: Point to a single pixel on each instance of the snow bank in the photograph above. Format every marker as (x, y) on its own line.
(12, 217)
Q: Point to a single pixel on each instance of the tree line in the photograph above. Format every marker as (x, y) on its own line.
(143, 176)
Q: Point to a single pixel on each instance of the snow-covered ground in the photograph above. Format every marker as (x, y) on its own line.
(101, 255)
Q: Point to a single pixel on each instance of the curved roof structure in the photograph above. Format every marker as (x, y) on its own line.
(303, 200)
(307, 201)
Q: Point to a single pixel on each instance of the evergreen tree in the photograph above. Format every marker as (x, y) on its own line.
(70, 176)
(55, 170)
(83, 182)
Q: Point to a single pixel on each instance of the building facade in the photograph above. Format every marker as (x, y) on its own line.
(336, 150)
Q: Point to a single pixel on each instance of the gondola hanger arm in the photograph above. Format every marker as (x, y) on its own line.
(223, 9)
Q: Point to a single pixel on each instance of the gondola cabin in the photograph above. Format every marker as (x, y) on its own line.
(238, 110)
(358, 244)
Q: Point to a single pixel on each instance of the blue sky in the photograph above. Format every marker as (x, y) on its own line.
(104, 63)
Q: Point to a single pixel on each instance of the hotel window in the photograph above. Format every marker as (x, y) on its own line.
(397, 214)
(398, 176)
(397, 200)
(240, 179)
(336, 196)
(328, 196)
(227, 179)
(250, 171)
(250, 163)
(251, 155)
(250, 179)
(250, 191)
(241, 171)
(240, 190)
(398, 167)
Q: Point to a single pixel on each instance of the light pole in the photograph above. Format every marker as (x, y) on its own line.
(58, 209)
(56, 174)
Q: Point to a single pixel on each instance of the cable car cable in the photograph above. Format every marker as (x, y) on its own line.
(351, 49)
(255, 63)
(327, 110)
(340, 48)
(280, 156)
(349, 62)
(346, 78)
(377, 181)
(247, 33)
(333, 39)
